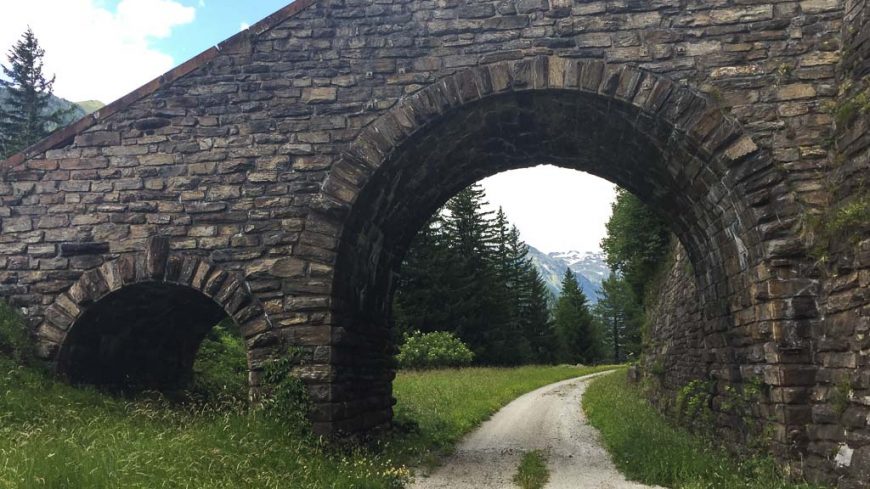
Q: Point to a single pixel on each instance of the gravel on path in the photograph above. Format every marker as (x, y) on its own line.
(549, 419)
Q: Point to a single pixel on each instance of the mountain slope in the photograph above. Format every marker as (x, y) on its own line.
(90, 105)
(591, 265)
(57, 103)
(587, 267)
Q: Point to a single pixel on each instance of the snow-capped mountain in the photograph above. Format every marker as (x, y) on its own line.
(589, 267)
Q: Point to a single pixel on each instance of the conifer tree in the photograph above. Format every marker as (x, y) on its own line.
(476, 303)
(536, 322)
(424, 285)
(25, 117)
(620, 315)
(468, 272)
(575, 332)
(636, 242)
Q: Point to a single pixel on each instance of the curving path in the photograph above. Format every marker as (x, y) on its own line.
(548, 419)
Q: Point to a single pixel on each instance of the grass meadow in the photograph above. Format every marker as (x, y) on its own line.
(56, 436)
(647, 448)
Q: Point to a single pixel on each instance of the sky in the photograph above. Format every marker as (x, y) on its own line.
(104, 49)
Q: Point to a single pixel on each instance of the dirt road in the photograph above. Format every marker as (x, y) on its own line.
(548, 419)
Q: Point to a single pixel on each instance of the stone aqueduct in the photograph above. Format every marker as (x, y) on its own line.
(279, 176)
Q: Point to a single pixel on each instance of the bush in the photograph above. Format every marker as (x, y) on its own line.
(14, 340)
(220, 371)
(287, 398)
(433, 350)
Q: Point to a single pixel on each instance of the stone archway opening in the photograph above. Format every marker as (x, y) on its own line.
(577, 131)
(143, 336)
(139, 321)
(668, 146)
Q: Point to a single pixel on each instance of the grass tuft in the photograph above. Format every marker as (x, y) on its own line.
(532, 472)
(646, 448)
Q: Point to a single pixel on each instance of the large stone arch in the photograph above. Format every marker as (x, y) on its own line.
(140, 318)
(703, 172)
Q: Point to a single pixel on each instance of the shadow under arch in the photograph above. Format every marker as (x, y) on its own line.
(669, 145)
(137, 321)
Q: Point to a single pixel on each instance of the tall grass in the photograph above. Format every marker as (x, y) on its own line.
(646, 448)
(56, 436)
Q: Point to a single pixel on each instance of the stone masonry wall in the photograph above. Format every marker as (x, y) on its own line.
(233, 159)
(840, 428)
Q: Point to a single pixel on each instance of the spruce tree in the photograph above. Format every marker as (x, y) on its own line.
(424, 284)
(468, 272)
(477, 303)
(536, 322)
(575, 332)
(25, 117)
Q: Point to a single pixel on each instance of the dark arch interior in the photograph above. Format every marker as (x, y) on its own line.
(604, 137)
(144, 336)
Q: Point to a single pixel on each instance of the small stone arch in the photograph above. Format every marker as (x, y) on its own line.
(219, 292)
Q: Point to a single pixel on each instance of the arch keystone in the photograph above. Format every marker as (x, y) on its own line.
(156, 254)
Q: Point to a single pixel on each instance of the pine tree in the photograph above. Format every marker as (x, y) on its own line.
(575, 332)
(620, 315)
(25, 118)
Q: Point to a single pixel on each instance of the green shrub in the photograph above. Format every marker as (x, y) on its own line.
(287, 397)
(433, 350)
(14, 340)
(220, 371)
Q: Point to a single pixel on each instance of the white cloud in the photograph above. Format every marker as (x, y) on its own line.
(95, 52)
(555, 209)
(245, 26)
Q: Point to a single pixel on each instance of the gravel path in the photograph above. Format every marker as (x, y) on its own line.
(548, 419)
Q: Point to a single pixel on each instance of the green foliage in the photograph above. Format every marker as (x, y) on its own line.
(468, 272)
(648, 449)
(845, 223)
(438, 349)
(577, 338)
(14, 340)
(840, 397)
(848, 108)
(287, 398)
(25, 117)
(693, 404)
(620, 317)
(221, 367)
(636, 243)
(532, 472)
